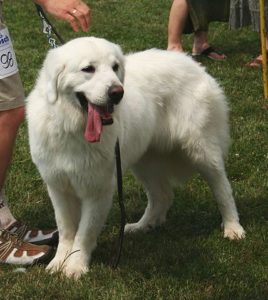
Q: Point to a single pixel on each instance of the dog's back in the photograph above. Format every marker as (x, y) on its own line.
(178, 98)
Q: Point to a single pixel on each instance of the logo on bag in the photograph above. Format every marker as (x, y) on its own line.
(4, 39)
(8, 63)
(6, 60)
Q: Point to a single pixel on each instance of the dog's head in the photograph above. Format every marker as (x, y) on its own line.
(88, 73)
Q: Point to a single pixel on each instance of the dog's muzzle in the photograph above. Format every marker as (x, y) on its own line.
(99, 115)
(115, 95)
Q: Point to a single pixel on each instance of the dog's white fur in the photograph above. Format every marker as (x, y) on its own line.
(171, 122)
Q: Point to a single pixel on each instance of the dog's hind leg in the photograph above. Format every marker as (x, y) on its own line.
(160, 198)
(210, 164)
(67, 214)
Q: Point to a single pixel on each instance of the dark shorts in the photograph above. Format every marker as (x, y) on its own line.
(202, 12)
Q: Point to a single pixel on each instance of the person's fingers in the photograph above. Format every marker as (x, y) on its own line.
(85, 17)
(82, 15)
(72, 21)
(77, 16)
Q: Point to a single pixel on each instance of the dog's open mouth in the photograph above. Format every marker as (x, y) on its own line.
(97, 116)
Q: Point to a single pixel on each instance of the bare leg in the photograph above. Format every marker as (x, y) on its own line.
(10, 121)
(201, 43)
(257, 62)
(177, 18)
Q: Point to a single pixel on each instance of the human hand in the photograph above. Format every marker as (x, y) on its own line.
(75, 12)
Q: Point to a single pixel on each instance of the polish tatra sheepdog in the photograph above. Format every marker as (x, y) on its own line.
(170, 117)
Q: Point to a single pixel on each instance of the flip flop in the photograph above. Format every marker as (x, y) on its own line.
(207, 53)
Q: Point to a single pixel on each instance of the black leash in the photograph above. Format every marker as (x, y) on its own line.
(121, 204)
(49, 30)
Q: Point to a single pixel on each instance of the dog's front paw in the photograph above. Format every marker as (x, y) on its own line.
(234, 231)
(56, 265)
(75, 270)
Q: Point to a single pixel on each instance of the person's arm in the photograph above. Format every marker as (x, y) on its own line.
(75, 12)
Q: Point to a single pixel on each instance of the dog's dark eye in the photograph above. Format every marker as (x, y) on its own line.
(115, 67)
(89, 69)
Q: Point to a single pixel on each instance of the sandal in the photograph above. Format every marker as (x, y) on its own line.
(210, 53)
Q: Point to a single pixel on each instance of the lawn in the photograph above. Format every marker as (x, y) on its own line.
(187, 258)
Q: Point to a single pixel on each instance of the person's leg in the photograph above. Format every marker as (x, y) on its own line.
(10, 121)
(13, 250)
(177, 18)
(254, 8)
(9, 124)
(14, 237)
(11, 113)
(200, 41)
(257, 61)
(201, 44)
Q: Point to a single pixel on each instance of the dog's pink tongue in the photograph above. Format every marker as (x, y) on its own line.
(94, 125)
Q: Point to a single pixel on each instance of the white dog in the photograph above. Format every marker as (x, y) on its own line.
(170, 116)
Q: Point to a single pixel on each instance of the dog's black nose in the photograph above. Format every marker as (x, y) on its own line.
(116, 93)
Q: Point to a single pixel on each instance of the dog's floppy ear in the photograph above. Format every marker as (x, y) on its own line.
(53, 67)
(121, 57)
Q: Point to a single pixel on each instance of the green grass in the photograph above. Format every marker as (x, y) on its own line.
(187, 258)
